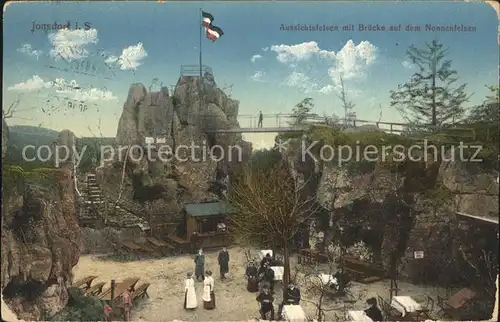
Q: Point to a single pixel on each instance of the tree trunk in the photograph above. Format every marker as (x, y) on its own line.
(286, 268)
(434, 75)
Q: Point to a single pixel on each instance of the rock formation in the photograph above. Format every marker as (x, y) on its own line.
(373, 193)
(41, 241)
(182, 123)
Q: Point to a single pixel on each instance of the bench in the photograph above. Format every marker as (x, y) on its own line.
(163, 247)
(131, 245)
(141, 291)
(84, 283)
(178, 240)
(355, 273)
(148, 250)
(181, 244)
(368, 272)
(312, 256)
(95, 290)
(371, 279)
(119, 289)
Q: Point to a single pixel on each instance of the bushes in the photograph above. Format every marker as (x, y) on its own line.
(15, 176)
(80, 308)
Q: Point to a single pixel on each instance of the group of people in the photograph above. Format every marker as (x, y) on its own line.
(190, 301)
(126, 304)
(266, 301)
(263, 276)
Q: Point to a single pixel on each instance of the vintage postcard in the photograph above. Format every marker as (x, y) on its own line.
(242, 161)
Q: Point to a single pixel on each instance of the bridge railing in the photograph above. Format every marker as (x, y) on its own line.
(194, 70)
(288, 120)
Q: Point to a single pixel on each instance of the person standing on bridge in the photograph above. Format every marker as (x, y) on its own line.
(261, 118)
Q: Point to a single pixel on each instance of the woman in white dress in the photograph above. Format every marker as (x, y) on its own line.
(190, 302)
(208, 292)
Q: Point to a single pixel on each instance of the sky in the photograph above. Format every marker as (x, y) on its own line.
(256, 60)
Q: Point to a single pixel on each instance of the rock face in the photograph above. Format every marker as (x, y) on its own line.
(41, 243)
(420, 200)
(183, 163)
(5, 136)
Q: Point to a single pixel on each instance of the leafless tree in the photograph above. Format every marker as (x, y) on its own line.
(485, 265)
(321, 289)
(13, 110)
(270, 206)
(347, 104)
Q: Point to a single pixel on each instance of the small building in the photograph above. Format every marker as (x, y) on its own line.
(161, 140)
(206, 224)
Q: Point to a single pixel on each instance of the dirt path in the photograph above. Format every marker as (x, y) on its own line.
(233, 302)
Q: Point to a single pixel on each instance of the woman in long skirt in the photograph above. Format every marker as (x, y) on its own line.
(208, 292)
(251, 274)
(190, 301)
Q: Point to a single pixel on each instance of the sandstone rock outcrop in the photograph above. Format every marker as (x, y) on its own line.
(181, 124)
(363, 190)
(5, 136)
(41, 242)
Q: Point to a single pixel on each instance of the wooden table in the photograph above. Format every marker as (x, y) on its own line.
(178, 240)
(264, 252)
(278, 272)
(131, 245)
(119, 289)
(327, 279)
(405, 304)
(294, 313)
(85, 282)
(157, 242)
(358, 316)
(460, 298)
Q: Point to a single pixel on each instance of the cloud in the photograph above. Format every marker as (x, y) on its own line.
(130, 58)
(258, 76)
(70, 44)
(407, 64)
(300, 81)
(299, 52)
(29, 50)
(327, 89)
(69, 89)
(34, 83)
(350, 62)
(255, 57)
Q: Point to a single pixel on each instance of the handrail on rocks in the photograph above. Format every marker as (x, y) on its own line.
(194, 70)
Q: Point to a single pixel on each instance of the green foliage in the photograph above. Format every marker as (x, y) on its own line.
(80, 308)
(302, 110)
(264, 159)
(488, 112)
(429, 97)
(15, 176)
(437, 196)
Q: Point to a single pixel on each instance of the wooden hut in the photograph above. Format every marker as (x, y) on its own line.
(206, 224)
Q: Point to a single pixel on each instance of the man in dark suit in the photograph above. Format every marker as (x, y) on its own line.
(373, 312)
(265, 299)
(266, 276)
(292, 297)
(266, 260)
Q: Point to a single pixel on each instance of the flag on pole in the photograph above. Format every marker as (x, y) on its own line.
(213, 32)
(206, 19)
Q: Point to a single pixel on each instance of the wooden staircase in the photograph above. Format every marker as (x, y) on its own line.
(91, 201)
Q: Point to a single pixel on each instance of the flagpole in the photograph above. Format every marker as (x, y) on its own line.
(201, 65)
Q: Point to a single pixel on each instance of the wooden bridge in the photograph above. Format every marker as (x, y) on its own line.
(275, 123)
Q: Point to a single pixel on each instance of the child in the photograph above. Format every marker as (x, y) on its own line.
(107, 313)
